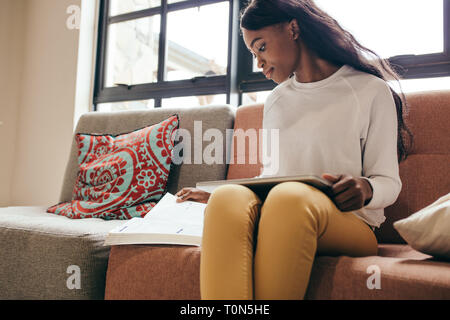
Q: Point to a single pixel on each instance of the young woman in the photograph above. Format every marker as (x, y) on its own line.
(337, 118)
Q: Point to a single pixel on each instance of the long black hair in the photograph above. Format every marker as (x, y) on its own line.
(326, 38)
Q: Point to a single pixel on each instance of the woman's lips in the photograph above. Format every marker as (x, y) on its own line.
(269, 73)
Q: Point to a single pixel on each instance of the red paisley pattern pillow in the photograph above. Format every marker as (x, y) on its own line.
(121, 177)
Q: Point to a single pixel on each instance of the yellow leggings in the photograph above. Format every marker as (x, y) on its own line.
(266, 253)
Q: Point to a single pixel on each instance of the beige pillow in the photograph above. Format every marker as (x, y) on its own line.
(428, 230)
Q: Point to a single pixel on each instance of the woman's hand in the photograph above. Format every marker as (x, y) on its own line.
(349, 193)
(192, 194)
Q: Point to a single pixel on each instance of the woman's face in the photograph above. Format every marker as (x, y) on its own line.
(276, 49)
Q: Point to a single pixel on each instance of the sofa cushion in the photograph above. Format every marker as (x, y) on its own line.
(121, 176)
(39, 249)
(247, 117)
(153, 272)
(428, 230)
(404, 274)
(194, 121)
(424, 174)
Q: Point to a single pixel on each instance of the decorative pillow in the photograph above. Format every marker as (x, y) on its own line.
(123, 176)
(428, 230)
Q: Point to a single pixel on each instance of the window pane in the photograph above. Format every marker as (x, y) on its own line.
(407, 86)
(255, 66)
(125, 6)
(132, 51)
(193, 49)
(174, 1)
(194, 101)
(255, 97)
(415, 85)
(126, 105)
(389, 27)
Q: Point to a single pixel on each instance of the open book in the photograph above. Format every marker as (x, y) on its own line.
(262, 185)
(168, 222)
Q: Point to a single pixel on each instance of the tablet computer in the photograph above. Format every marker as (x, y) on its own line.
(262, 185)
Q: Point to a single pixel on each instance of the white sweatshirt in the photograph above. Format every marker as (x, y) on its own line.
(344, 124)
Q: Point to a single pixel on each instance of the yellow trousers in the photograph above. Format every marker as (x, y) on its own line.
(265, 250)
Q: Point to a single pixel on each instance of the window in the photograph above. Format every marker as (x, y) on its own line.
(407, 27)
(254, 97)
(187, 102)
(194, 50)
(132, 52)
(427, 84)
(126, 105)
(118, 7)
(162, 53)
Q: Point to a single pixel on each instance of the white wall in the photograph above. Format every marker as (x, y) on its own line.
(39, 110)
(87, 53)
(12, 29)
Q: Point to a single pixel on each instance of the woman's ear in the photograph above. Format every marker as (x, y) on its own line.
(294, 29)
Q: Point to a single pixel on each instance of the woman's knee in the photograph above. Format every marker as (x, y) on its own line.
(298, 204)
(293, 193)
(231, 200)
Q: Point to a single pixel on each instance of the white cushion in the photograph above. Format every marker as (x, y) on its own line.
(428, 230)
(36, 219)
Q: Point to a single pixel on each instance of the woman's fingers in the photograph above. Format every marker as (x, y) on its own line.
(192, 194)
(184, 194)
(183, 190)
(351, 204)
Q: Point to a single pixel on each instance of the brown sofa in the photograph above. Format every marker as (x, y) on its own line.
(172, 272)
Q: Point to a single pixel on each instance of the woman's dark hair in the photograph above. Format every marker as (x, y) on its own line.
(326, 38)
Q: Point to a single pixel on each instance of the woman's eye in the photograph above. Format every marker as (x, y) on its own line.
(261, 49)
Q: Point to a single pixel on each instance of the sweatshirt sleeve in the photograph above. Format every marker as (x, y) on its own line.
(379, 150)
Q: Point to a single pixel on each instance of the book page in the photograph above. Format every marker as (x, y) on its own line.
(143, 226)
(168, 210)
(167, 217)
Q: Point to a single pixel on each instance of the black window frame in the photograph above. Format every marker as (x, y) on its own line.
(240, 77)
(204, 85)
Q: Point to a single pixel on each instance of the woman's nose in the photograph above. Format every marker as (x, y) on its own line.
(260, 63)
